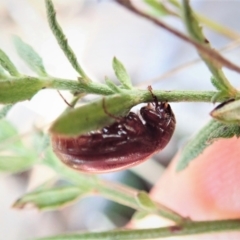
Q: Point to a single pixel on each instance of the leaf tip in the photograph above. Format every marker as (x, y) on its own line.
(24, 205)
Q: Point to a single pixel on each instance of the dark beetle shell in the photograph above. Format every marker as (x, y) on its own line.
(127, 142)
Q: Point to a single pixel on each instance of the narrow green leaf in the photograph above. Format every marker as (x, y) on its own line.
(7, 130)
(5, 110)
(139, 215)
(227, 112)
(192, 24)
(215, 68)
(62, 40)
(145, 201)
(175, 3)
(218, 84)
(7, 64)
(112, 85)
(40, 142)
(49, 184)
(94, 115)
(20, 89)
(206, 136)
(50, 199)
(121, 73)
(30, 56)
(219, 96)
(3, 74)
(157, 6)
(13, 164)
(14, 156)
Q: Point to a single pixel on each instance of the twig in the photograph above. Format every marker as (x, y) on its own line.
(211, 54)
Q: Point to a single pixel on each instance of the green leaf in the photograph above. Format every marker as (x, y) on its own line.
(13, 164)
(157, 6)
(192, 24)
(112, 85)
(218, 84)
(50, 199)
(139, 215)
(121, 73)
(40, 142)
(14, 156)
(3, 74)
(5, 110)
(6, 63)
(145, 201)
(16, 90)
(227, 112)
(215, 68)
(219, 96)
(62, 40)
(30, 56)
(94, 115)
(206, 136)
(175, 3)
(7, 130)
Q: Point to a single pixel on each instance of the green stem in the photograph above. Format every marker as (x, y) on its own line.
(115, 192)
(187, 229)
(5, 110)
(10, 90)
(211, 54)
(62, 40)
(218, 27)
(143, 95)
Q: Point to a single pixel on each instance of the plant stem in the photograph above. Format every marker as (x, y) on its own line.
(31, 85)
(211, 54)
(217, 27)
(187, 229)
(115, 192)
(62, 40)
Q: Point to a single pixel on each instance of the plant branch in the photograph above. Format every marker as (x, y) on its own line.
(215, 56)
(112, 191)
(187, 229)
(10, 90)
(62, 40)
(218, 27)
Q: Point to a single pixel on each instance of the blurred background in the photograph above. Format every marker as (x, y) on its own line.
(97, 31)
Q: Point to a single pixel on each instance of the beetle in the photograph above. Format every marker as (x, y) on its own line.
(129, 141)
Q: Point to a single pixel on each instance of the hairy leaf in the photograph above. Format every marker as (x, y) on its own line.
(206, 136)
(112, 85)
(30, 56)
(157, 6)
(7, 64)
(13, 164)
(12, 91)
(5, 110)
(121, 73)
(145, 201)
(62, 40)
(14, 156)
(93, 116)
(49, 199)
(228, 112)
(195, 31)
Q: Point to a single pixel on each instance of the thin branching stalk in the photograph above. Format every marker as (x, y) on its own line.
(62, 40)
(113, 191)
(215, 56)
(187, 229)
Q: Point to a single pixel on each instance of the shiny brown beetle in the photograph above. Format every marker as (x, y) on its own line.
(127, 142)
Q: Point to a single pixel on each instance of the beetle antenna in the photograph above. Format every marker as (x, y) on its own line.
(106, 111)
(64, 99)
(153, 96)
